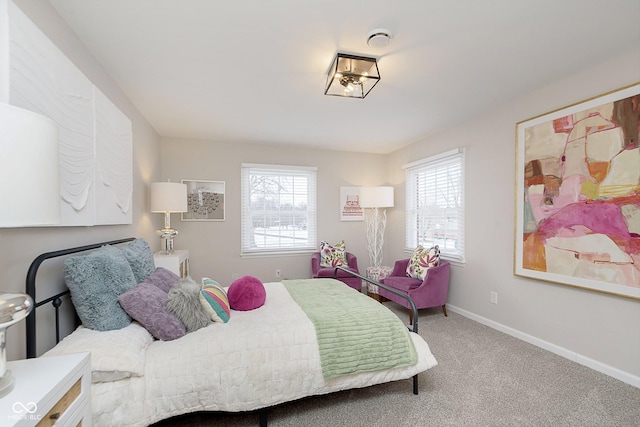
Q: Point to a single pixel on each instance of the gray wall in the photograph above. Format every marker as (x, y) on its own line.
(215, 246)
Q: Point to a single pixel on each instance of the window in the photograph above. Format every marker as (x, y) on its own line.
(435, 203)
(278, 209)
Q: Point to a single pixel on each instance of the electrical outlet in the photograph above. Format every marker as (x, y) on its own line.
(494, 297)
(278, 273)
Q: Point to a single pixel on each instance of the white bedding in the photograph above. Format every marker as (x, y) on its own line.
(258, 359)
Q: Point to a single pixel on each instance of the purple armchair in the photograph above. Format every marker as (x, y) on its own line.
(352, 261)
(432, 292)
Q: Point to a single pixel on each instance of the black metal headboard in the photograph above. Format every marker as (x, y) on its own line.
(55, 300)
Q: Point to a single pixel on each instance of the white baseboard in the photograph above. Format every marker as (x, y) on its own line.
(560, 351)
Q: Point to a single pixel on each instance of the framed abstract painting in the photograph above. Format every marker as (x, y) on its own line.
(578, 195)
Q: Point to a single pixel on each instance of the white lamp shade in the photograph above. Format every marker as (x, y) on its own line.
(29, 176)
(376, 197)
(168, 197)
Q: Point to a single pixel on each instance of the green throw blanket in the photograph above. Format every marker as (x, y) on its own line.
(355, 333)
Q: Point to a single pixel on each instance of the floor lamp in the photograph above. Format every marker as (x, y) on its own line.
(374, 201)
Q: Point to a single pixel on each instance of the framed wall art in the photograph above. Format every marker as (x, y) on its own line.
(578, 195)
(350, 209)
(205, 200)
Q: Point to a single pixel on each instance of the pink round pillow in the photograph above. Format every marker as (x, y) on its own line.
(246, 293)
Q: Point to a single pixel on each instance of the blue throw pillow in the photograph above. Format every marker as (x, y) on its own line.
(95, 281)
(140, 257)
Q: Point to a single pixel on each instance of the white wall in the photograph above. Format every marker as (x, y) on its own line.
(215, 246)
(20, 246)
(598, 329)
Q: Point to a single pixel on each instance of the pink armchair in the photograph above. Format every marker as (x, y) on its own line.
(432, 292)
(343, 276)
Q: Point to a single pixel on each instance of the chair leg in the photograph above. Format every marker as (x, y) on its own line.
(444, 310)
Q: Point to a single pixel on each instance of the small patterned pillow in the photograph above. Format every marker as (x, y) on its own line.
(214, 300)
(421, 260)
(332, 256)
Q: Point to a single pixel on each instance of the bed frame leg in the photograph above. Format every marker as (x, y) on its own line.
(262, 416)
(415, 384)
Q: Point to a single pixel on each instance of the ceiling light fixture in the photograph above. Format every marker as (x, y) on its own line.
(352, 76)
(379, 37)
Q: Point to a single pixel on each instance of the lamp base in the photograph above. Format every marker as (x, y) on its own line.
(6, 384)
(375, 222)
(167, 235)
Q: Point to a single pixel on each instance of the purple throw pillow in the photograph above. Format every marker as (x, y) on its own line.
(147, 304)
(162, 278)
(246, 293)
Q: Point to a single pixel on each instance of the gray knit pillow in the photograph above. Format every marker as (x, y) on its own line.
(140, 257)
(95, 281)
(184, 301)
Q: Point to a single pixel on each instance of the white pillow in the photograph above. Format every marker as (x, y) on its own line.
(115, 355)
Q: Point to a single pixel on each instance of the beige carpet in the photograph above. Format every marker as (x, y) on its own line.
(484, 378)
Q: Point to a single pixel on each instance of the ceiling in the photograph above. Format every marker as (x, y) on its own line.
(254, 70)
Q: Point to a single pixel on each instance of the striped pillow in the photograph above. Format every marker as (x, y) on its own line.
(214, 299)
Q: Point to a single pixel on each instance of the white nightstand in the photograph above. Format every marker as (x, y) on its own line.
(178, 262)
(49, 391)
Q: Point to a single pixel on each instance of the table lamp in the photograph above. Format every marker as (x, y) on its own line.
(29, 190)
(29, 176)
(168, 198)
(13, 308)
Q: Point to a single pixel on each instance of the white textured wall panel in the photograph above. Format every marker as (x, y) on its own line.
(95, 138)
(4, 54)
(114, 163)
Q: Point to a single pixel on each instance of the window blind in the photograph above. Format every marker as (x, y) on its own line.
(435, 203)
(279, 212)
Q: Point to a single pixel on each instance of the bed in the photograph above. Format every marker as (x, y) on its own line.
(259, 358)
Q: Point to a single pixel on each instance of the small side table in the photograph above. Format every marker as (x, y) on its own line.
(377, 274)
(47, 391)
(178, 262)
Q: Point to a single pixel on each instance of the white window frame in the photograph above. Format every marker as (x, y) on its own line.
(288, 223)
(435, 204)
